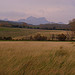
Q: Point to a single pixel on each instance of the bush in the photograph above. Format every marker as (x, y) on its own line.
(31, 38)
(1, 38)
(7, 38)
(61, 37)
(38, 37)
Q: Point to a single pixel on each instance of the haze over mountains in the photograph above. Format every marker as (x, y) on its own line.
(36, 21)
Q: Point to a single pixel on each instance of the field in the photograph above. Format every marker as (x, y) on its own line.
(19, 33)
(37, 58)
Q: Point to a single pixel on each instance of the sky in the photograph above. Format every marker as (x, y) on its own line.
(52, 10)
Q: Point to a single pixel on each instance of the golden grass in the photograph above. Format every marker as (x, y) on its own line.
(37, 58)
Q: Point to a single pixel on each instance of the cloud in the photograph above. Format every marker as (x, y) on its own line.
(12, 15)
(53, 10)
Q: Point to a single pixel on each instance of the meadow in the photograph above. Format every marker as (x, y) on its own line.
(19, 33)
(37, 58)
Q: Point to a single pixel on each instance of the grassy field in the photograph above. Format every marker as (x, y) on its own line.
(16, 32)
(37, 58)
(22, 32)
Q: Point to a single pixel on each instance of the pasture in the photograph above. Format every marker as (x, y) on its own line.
(37, 58)
(20, 33)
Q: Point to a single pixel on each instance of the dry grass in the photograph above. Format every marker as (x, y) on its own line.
(37, 58)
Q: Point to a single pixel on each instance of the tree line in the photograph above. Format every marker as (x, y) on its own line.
(61, 37)
(54, 26)
(39, 37)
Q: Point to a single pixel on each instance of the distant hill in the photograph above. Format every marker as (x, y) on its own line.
(12, 24)
(37, 21)
(60, 23)
(34, 20)
(53, 26)
(6, 19)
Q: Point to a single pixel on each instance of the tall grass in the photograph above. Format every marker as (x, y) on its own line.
(37, 58)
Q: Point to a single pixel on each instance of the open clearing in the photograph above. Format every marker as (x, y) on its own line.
(37, 58)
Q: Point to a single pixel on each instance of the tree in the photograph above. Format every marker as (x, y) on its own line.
(31, 38)
(53, 36)
(72, 28)
(7, 38)
(72, 25)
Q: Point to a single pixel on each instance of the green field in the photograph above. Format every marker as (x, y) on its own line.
(16, 32)
(22, 32)
(37, 58)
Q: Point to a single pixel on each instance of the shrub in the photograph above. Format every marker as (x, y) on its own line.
(1, 38)
(61, 37)
(31, 38)
(7, 38)
(38, 37)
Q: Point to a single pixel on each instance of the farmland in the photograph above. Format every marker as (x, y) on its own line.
(37, 58)
(22, 32)
(37, 37)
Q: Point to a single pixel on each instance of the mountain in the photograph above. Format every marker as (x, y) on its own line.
(34, 20)
(53, 26)
(60, 23)
(6, 19)
(21, 20)
(13, 24)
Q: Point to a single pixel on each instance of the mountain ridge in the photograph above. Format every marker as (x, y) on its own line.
(34, 20)
(37, 21)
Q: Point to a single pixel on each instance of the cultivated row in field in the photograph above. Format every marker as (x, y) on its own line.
(22, 32)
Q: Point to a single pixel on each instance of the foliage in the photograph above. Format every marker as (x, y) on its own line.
(5, 38)
(61, 37)
(53, 26)
(38, 37)
(72, 25)
(28, 34)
